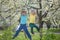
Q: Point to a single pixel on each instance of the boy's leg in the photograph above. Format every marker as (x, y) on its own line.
(32, 30)
(36, 27)
(17, 32)
(31, 25)
(26, 31)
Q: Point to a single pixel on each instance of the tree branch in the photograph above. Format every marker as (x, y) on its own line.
(45, 14)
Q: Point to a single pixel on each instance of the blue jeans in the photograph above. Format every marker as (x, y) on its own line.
(24, 27)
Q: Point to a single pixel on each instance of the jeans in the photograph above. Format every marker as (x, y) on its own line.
(24, 27)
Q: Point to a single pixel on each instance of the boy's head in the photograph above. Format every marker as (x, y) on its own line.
(23, 12)
(33, 12)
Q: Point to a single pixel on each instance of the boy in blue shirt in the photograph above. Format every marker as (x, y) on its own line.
(23, 22)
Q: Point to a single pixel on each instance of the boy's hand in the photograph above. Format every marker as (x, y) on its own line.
(19, 20)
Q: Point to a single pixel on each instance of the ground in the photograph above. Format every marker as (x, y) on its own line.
(52, 34)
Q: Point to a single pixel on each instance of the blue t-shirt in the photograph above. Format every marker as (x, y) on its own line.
(23, 19)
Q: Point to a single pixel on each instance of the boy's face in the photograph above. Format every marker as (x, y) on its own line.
(24, 13)
(33, 13)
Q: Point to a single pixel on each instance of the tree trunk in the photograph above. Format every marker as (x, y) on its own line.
(40, 19)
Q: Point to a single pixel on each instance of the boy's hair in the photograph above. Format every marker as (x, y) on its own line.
(23, 11)
(33, 10)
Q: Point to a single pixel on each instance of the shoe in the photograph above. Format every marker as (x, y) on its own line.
(38, 30)
(32, 32)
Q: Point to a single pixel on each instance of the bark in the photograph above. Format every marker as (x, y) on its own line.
(40, 19)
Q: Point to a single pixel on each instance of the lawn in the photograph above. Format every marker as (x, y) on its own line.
(50, 35)
(47, 35)
(36, 36)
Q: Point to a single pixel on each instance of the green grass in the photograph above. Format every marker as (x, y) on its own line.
(36, 36)
(6, 34)
(55, 30)
(21, 36)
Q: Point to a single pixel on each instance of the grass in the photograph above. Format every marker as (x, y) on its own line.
(55, 30)
(21, 36)
(36, 36)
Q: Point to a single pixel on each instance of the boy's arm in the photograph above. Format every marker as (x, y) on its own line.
(36, 19)
(28, 18)
(19, 20)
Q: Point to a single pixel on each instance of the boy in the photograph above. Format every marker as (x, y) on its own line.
(23, 22)
(32, 21)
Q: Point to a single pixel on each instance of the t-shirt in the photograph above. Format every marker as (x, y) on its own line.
(32, 18)
(23, 19)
